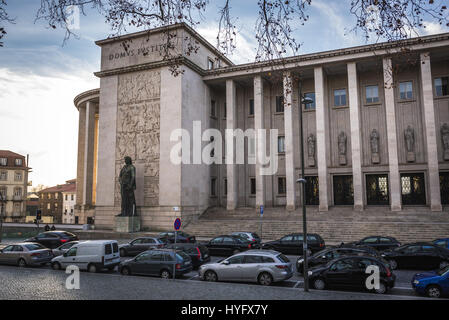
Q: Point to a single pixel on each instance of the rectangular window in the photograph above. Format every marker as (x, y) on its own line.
(72, 197)
(65, 197)
(17, 192)
(413, 189)
(210, 64)
(312, 191)
(213, 191)
(372, 94)
(343, 190)
(253, 185)
(3, 161)
(251, 107)
(213, 111)
(3, 192)
(56, 196)
(281, 144)
(225, 186)
(16, 207)
(377, 189)
(18, 176)
(442, 86)
(18, 162)
(281, 185)
(224, 110)
(406, 90)
(48, 206)
(340, 97)
(48, 195)
(310, 106)
(279, 104)
(444, 187)
(4, 175)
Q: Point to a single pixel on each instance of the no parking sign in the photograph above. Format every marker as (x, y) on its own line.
(177, 224)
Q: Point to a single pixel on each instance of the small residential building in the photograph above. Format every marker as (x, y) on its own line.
(68, 203)
(13, 186)
(51, 201)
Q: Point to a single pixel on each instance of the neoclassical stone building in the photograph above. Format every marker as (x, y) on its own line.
(376, 134)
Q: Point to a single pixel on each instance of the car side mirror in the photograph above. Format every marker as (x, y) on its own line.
(65, 254)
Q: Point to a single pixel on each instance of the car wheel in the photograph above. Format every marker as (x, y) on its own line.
(165, 274)
(92, 268)
(236, 251)
(444, 264)
(125, 271)
(265, 279)
(122, 253)
(56, 266)
(210, 276)
(319, 284)
(393, 264)
(382, 288)
(22, 263)
(433, 291)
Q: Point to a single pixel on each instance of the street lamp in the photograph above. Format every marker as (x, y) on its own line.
(302, 181)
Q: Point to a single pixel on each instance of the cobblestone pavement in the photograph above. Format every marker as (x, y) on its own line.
(42, 283)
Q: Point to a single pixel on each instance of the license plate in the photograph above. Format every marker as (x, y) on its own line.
(187, 263)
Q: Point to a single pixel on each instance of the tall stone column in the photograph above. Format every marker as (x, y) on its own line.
(231, 124)
(429, 119)
(80, 164)
(260, 145)
(392, 140)
(89, 152)
(321, 136)
(288, 132)
(354, 119)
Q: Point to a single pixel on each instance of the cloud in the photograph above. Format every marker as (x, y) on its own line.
(432, 28)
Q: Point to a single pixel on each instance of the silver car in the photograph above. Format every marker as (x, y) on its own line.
(262, 266)
(64, 248)
(25, 254)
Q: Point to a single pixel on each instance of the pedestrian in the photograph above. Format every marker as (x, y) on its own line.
(47, 227)
(53, 228)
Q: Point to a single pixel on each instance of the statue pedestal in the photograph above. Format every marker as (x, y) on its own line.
(342, 159)
(375, 158)
(446, 154)
(410, 157)
(127, 224)
(311, 161)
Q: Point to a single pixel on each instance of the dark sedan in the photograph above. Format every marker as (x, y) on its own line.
(53, 239)
(228, 245)
(443, 243)
(139, 245)
(198, 253)
(351, 272)
(293, 244)
(181, 237)
(157, 262)
(379, 243)
(326, 255)
(419, 255)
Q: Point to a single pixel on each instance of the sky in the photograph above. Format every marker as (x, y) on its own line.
(40, 76)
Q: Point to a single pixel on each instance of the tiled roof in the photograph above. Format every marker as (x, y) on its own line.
(68, 187)
(11, 156)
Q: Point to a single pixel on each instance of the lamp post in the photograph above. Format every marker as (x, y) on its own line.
(302, 180)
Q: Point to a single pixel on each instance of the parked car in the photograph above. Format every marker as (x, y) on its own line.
(250, 236)
(199, 254)
(419, 255)
(326, 255)
(350, 272)
(62, 249)
(379, 243)
(93, 255)
(227, 245)
(181, 237)
(261, 266)
(25, 254)
(157, 262)
(443, 243)
(139, 245)
(292, 244)
(53, 239)
(434, 284)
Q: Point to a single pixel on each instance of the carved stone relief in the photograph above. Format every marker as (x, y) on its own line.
(445, 139)
(342, 147)
(374, 141)
(138, 128)
(311, 150)
(409, 136)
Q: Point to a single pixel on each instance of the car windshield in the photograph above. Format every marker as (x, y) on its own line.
(182, 256)
(34, 246)
(443, 271)
(320, 253)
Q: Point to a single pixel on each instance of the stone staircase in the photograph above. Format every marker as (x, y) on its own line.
(339, 224)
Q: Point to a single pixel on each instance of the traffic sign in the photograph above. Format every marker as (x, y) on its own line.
(177, 224)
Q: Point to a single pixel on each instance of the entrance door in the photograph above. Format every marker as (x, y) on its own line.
(343, 190)
(413, 189)
(377, 189)
(312, 192)
(444, 187)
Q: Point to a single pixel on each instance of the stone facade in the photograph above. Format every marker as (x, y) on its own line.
(357, 137)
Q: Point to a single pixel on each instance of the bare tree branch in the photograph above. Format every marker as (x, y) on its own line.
(3, 17)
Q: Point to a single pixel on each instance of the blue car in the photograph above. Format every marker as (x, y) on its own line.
(432, 284)
(443, 242)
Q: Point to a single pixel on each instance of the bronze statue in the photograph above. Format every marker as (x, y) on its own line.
(127, 181)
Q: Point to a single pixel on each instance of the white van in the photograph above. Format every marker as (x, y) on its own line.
(90, 255)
